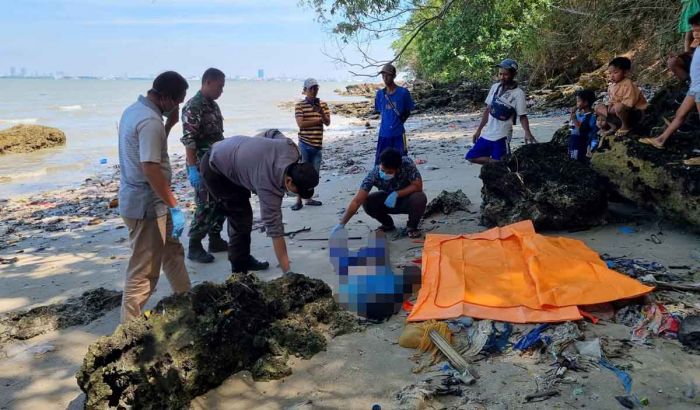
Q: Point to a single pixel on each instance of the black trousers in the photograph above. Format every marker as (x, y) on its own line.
(413, 205)
(234, 202)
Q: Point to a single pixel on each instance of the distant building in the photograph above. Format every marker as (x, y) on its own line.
(261, 74)
(23, 72)
(13, 71)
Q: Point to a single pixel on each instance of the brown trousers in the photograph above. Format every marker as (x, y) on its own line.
(152, 248)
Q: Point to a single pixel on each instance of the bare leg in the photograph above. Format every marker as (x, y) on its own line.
(681, 113)
(482, 160)
(623, 113)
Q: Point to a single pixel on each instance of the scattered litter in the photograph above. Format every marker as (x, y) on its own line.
(623, 376)
(416, 396)
(478, 336)
(689, 332)
(541, 395)
(578, 391)
(635, 267)
(8, 261)
(628, 315)
(420, 161)
(460, 325)
(625, 401)
(498, 339)
(626, 230)
(589, 348)
(656, 320)
(533, 337)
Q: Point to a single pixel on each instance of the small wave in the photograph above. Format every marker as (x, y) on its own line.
(18, 121)
(70, 107)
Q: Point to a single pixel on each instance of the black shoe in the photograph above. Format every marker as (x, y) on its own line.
(297, 206)
(196, 252)
(254, 264)
(216, 244)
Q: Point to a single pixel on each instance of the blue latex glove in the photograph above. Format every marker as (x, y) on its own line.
(178, 221)
(193, 175)
(390, 200)
(337, 228)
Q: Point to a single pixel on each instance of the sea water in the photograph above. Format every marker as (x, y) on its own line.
(88, 112)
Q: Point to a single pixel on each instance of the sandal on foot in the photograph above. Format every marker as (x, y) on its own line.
(692, 161)
(651, 141)
(622, 133)
(313, 202)
(297, 206)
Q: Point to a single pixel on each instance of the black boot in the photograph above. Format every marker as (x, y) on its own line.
(197, 253)
(216, 244)
(254, 264)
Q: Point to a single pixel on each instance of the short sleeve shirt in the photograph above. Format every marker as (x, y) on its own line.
(591, 128)
(628, 94)
(391, 124)
(312, 135)
(142, 138)
(496, 129)
(403, 178)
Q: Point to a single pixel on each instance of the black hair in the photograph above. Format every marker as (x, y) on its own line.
(304, 176)
(170, 85)
(390, 158)
(623, 63)
(213, 74)
(694, 19)
(586, 95)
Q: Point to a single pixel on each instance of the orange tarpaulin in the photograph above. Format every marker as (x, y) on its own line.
(515, 275)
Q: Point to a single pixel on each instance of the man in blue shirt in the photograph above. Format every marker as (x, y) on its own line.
(400, 192)
(394, 105)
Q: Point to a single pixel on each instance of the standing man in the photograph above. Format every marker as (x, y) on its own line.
(311, 115)
(504, 104)
(202, 126)
(400, 192)
(394, 105)
(267, 165)
(146, 202)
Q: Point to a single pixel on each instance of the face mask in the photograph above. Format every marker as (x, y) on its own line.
(383, 175)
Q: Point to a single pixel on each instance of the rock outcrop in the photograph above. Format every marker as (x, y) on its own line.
(190, 343)
(539, 182)
(29, 138)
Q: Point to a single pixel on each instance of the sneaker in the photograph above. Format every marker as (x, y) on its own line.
(196, 252)
(297, 206)
(217, 244)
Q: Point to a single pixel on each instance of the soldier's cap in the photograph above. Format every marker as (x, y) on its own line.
(310, 82)
(508, 64)
(389, 69)
(305, 178)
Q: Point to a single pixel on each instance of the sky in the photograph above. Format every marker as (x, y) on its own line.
(145, 37)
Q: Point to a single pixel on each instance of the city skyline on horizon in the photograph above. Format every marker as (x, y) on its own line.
(109, 39)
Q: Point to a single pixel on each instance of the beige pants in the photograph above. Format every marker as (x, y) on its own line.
(152, 248)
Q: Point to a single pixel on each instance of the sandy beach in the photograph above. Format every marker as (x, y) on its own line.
(50, 256)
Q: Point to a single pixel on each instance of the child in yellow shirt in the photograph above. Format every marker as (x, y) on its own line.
(626, 101)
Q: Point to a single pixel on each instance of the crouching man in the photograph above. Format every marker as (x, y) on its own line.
(267, 165)
(400, 192)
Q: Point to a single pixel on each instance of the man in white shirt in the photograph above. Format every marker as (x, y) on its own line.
(505, 103)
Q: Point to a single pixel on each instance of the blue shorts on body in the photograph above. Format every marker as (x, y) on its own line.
(485, 148)
(389, 142)
(311, 154)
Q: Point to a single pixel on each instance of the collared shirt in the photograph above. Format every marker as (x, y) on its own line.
(391, 124)
(403, 178)
(515, 98)
(312, 135)
(202, 124)
(258, 164)
(628, 94)
(142, 138)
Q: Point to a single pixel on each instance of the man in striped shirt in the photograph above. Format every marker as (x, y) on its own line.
(311, 115)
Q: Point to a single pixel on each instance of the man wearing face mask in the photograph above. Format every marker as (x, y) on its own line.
(400, 192)
(202, 126)
(267, 165)
(146, 201)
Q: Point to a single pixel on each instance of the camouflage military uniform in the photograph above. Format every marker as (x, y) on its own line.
(202, 126)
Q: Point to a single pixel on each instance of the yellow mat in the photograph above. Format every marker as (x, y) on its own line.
(514, 274)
